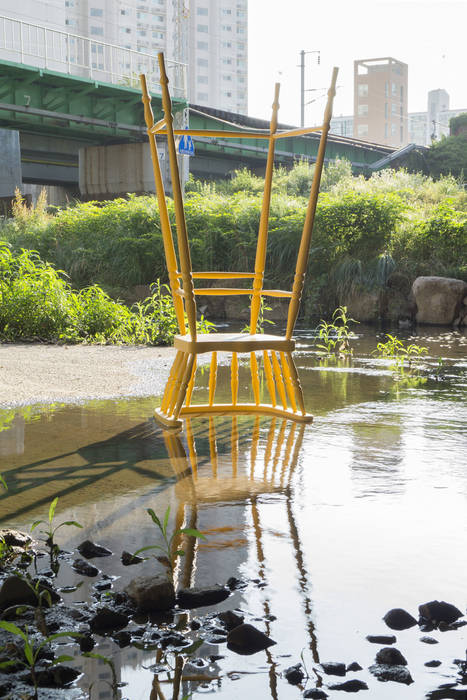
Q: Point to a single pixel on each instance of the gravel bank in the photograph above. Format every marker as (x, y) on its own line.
(37, 373)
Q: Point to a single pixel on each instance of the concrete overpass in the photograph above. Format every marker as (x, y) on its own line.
(71, 116)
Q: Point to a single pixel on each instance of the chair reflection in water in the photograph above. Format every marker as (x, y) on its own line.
(239, 466)
(283, 384)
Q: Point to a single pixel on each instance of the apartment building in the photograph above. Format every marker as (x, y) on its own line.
(218, 54)
(210, 36)
(380, 101)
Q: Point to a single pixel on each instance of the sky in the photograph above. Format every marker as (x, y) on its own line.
(428, 35)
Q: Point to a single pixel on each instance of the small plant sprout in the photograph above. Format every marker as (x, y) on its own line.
(32, 652)
(395, 348)
(168, 557)
(114, 684)
(335, 336)
(52, 528)
(3, 483)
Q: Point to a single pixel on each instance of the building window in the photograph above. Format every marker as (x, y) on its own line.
(226, 28)
(386, 130)
(386, 89)
(141, 32)
(157, 35)
(96, 12)
(393, 109)
(202, 28)
(226, 11)
(393, 129)
(203, 96)
(385, 110)
(362, 110)
(227, 61)
(202, 62)
(202, 79)
(402, 93)
(241, 14)
(394, 89)
(226, 44)
(203, 45)
(363, 90)
(227, 94)
(70, 22)
(201, 10)
(226, 77)
(240, 29)
(97, 31)
(362, 130)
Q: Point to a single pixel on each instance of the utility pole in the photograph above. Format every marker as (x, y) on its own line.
(302, 84)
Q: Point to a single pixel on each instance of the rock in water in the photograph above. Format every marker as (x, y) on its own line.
(84, 568)
(399, 619)
(89, 550)
(398, 674)
(438, 299)
(390, 656)
(294, 674)
(428, 640)
(230, 619)
(198, 597)
(315, 693)
(354, 666)
(433, 664)
(381, 638)
(107, 619)
(129, 559)
(352, 686)
(151, 593)
(333, 668)
(246, 639)
(439, 611)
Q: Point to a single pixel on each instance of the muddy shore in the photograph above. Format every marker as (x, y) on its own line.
(39, 373)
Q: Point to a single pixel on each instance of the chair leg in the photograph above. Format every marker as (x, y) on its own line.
(186, 377)
(296, 383)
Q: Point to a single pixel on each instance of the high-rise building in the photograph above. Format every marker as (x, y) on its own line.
(211, 36)
(218, 65)
(380, 101)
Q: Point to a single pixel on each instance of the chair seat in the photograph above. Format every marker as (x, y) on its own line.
(232, 342)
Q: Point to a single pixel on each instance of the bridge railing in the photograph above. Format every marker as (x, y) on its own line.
(52, 49)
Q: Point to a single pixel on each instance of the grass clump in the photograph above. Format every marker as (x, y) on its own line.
(38, 303)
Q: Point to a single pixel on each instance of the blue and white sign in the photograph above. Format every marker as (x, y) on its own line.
(186, 146)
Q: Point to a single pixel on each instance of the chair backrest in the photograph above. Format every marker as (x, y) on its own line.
(184, 294)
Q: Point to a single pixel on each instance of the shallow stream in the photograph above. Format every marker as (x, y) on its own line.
(329, 526)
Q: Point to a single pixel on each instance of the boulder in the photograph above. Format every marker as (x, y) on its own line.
(354, 666)
(15, 591)
(15, 538)
(433, 664)
(230, 619)
(198, 597)
(439, 299)
(437, 611)
(315, 693)
(151, 593)
(428, 640)
(129, 559)
(247, 639)
(89, 550)
(390, 656)
(398, 674)
(399, 619)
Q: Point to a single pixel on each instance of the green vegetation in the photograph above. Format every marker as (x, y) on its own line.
(52, 528)
(448, 156)
(404, 356)
(335, 336)
(366, 230)
(169, 553)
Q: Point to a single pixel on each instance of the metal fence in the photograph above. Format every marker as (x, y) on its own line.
(52, 49)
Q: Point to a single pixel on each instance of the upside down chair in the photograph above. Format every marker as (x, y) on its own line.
(282, 383)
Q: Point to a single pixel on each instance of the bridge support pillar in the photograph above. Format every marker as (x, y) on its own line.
(10, 171)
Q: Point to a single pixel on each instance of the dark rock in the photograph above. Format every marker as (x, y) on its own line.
(199, 597)
(107, 619)
(235, 583)
(174, 639)
(129, 559)
(381, 638)
(438, 611)
(294, 674)
(315, 693)
(89, 550)
(354, 666)
(352, 686)
(15, 538)
(230, 619)
(390, 656)
(84, 568)
(217, 639)
(445, 627)
(246, 639)
(399, 619)
(398, 674)
(56, 676)
(428, 640)
(195, 624)
(104, 585)
(151, 593)
(122, 638)
(16, 591)
(433, 664)
(333, 668)
(215, 657)
(86, 643)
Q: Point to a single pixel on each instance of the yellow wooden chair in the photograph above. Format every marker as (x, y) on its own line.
(283, 384)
